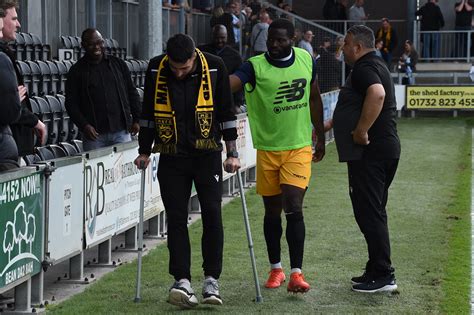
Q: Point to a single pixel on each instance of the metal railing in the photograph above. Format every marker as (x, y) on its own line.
(195, 24)
(421, 78)
(341, 26)
(331, 71)
(453, 45)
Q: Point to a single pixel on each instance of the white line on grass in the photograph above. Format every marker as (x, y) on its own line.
(472, 223)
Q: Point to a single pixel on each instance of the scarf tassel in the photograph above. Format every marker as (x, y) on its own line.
(206, 144)
(164, 148)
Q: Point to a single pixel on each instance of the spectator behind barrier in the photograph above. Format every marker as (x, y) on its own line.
(431, 20)
(11, 109)
(390, 40)
(23, 127)
(408, 61)
(230, 56)
(305, 43)
(219, 16)
(463, 22)
(258, 38)
(101, 98)
(357, 13)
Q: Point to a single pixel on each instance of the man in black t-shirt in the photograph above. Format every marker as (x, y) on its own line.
(366, 138)
(463, 22)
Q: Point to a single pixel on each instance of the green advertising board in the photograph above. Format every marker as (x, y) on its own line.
(21, 228)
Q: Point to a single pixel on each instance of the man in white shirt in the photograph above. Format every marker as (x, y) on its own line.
(357, 12)
(305, 42)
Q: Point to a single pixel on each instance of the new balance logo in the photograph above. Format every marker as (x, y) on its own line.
(292, 92)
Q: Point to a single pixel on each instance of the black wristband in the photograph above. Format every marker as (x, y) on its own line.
(233, 154)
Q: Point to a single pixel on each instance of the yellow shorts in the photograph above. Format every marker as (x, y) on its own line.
(291, 167)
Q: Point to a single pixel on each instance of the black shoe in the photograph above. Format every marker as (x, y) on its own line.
(384, 284)
(361, 279)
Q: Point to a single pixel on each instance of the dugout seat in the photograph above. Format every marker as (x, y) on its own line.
(44, 153)
(26, 73)
(57, 150)
(45, 84)
(35, 78)
(56, 113)
(55, 77)
(69, 148)
(78, 145)
(29, 47)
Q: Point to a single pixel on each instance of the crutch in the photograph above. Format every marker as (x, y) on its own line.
(140, 232)
(259, 298)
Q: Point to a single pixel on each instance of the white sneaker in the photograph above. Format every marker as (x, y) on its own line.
(210, 292)
(182, 295)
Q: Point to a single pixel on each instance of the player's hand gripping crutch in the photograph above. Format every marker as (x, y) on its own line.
(142, 168)
(249, 238)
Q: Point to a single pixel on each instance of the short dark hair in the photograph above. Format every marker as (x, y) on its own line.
(2, 13)
(87, 33)
(8, 4)
(362, 34)
(180, 48)
(283, 24)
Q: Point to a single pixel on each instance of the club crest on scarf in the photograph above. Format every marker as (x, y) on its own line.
(165, 119)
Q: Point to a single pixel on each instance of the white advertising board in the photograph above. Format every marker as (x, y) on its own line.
(65, 211)
(153, 204)
(247, 154)
(111, 195)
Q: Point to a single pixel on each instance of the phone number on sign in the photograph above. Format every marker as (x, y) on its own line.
(441, 102)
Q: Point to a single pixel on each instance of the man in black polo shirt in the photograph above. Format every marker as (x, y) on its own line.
(229, 55)
(101, 97)
(366, 138)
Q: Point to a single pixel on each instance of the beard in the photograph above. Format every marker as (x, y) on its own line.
(285, 52)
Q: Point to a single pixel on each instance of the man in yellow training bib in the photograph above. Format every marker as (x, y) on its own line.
(283, 103)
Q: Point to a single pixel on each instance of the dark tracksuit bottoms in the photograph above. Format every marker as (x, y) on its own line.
(176, 176)
(369, 181)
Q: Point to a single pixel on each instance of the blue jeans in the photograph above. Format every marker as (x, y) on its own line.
(460, 45)
(106, 139)
(431, 45)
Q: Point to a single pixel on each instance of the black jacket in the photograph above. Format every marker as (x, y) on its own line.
(10, 108)
(183, 95)
(78, 101)
(22, 129)
(431, 17)
(232, 61)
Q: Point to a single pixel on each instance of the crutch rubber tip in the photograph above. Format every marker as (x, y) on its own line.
(259, 299)
(137, 300)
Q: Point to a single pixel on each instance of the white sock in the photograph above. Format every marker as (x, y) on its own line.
(295, 270)
(184, 280)
(209, 277)
(277, 265)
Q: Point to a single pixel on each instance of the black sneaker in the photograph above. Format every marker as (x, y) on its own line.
(385, 284)
(361, 279)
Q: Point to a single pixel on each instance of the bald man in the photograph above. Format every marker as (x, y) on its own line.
(101, 98)
(229, 55)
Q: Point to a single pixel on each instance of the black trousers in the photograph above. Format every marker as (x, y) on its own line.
(369, 181)
(176, 176)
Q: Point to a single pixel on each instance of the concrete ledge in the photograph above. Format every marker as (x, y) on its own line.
(443, 66)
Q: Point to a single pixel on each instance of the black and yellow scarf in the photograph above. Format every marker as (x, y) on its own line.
(388, 38)
(165, 119)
